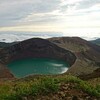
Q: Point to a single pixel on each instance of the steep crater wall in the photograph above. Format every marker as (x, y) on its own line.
(36, 48)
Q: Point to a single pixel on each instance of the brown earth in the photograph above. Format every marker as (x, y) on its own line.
(95, 74)
(4, 72)
(88, 55)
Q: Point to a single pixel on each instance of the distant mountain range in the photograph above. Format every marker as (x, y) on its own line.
(3, 44)
(97, 41)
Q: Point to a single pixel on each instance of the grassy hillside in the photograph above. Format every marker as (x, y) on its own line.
(49, 88)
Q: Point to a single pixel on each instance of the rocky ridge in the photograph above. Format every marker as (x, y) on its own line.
(83, 56)
(88, 54)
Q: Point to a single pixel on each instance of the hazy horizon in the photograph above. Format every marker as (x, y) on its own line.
(13, 36)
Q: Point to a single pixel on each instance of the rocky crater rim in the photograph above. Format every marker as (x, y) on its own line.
(35, 48)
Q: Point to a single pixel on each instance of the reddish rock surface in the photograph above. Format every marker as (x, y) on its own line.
(4, 72)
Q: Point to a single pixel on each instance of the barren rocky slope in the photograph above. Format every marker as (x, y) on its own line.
(88, 54)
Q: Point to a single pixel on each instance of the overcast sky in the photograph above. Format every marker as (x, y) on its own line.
(48, 15)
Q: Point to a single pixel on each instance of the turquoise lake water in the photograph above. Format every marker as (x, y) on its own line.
(24, 67)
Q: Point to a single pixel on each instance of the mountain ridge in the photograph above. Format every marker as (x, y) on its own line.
(97, 41)
(36, 48)
(87, 54)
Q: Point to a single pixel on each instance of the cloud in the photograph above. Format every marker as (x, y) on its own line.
(13, 11)
(62, 13)
(80, 6)
(19, 36)
(87, 4)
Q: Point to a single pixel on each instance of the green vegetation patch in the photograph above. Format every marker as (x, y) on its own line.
(42, 86)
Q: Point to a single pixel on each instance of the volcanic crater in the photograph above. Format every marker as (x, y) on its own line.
(32, 48)
(82, 56)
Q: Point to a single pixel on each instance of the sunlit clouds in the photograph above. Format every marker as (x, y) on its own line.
(49, 15)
